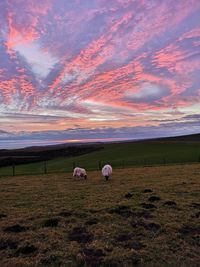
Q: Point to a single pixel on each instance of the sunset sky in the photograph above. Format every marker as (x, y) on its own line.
(75, 70)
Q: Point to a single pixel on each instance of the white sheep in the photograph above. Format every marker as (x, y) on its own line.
(80, 172)
(107, 171)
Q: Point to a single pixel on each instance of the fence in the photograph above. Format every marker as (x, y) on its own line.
(46, 167)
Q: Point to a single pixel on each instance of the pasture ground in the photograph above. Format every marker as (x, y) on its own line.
(143, 216)
(119, 155)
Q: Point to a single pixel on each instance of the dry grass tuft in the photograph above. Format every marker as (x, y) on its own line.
(142, 216)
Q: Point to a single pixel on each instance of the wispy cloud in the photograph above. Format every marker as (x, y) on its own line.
(98, 63)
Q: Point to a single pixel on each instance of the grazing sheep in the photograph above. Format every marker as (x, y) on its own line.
(80, 172)
(107, 171)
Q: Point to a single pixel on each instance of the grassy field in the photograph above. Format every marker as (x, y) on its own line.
(143, 216)
(119, 155)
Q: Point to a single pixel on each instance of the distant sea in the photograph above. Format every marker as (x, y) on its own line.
(12, 144)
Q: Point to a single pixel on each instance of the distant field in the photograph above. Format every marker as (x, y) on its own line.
(120, 155)
(142, 216)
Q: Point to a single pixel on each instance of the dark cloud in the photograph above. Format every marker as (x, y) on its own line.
(193, 117)
(104, 134)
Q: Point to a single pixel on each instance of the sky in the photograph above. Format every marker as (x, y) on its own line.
(89, 70)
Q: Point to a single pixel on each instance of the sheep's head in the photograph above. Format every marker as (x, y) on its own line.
(106, 177)
(85, 176)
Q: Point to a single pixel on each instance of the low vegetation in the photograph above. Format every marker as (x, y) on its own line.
(44, 153)
(142, 216)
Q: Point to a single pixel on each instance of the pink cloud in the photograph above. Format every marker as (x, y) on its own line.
(100, 63)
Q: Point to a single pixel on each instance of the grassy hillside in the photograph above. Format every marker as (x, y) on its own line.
(182, 138)
(8, 157)
(119, 155)
(142, 216)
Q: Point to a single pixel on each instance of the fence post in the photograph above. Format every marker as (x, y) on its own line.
(123, 164)
(13, 169)
(99, 165)
(164, 161)
(74, 165)
(45, 167)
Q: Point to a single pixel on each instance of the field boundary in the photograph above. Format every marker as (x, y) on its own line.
(123, 165)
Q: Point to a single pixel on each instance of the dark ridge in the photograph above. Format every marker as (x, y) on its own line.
(36, 154)
(182, 138)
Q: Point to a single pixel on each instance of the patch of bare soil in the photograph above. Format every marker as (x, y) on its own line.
(190, 230)
(2, 215)
(124, 237)
(92, 221)
(15, 229)
(65, 213)
(8, 243)
(136, 245)
(92, 257)
(128, 195)
(148, 206)
(51, 222)
(81, 235)
(26, 250)
(196, 215)
(147, 190)
(154, 198)
(170, 203)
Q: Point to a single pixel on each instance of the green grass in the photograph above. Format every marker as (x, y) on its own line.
(62, 221)
(119, 155)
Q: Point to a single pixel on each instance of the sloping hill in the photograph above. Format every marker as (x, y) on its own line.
(123, 154)
(183, 138)
(35, 154)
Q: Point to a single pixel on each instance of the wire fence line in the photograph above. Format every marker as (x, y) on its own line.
(47, 168)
